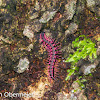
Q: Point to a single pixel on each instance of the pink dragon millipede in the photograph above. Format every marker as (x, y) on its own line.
(53, 52)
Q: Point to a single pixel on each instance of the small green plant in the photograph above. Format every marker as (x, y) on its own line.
(85, 48)
(71, 72)
(80, 81)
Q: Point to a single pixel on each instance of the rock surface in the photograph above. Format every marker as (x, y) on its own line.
(21, 22)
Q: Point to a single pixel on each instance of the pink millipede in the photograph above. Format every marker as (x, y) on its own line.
(52, 48)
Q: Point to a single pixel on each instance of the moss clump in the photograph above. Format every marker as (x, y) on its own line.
(85, 48)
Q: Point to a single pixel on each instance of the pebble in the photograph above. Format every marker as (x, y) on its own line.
(22, 66)
(86, 69)
(70, 8)
(71, 29)
(47, 16)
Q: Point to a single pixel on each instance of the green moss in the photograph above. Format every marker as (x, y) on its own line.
(84, 48)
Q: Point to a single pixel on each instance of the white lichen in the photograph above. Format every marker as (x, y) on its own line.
(87, 68)
(47, 16)
(27, 32)
(23, 65)
(90, 3)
